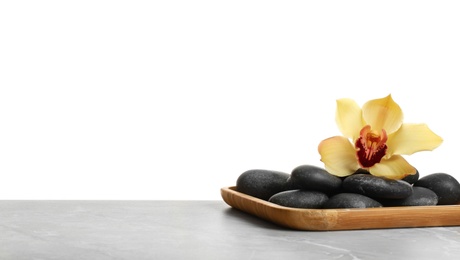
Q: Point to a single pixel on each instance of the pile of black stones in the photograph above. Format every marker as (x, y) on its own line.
(309, 186)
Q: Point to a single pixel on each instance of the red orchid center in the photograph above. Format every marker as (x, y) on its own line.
(370, 146)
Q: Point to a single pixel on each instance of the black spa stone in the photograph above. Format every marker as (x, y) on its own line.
(377, 187)
(300, 199)
(350, 200)
(420, 197)
(361, 171)
(444, 185)
(310, 177)
(261, 184)
(411, 179)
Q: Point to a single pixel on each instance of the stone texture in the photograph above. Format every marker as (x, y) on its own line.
(262, 184)
(420, 197)
(310, 177)
(411, 179)
(351, 200)
(300, 199)
(444, 185)
(376, 187)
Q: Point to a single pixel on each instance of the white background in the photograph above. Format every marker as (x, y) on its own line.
(175, 99)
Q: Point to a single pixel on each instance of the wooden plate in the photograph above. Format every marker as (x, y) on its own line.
(343, 219)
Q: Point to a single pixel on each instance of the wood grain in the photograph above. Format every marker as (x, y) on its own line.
(343, 219)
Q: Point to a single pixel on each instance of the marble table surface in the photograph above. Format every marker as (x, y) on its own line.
(139, 230)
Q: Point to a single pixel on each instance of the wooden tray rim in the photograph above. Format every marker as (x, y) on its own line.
(343, 219)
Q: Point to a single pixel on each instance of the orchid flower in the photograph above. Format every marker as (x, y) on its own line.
(374, 138)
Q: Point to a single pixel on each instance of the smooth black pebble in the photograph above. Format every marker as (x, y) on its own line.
(411, 179)
(261, 183)
(444, 185)
(377, 187)
(420, 197)
(300, 199)
(310, 177)
(351, 200)
(361, 171)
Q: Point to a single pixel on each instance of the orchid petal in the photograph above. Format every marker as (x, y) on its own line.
(348, 117)
(338, 156)
(383, 113)
(396, 168)
(411, 138)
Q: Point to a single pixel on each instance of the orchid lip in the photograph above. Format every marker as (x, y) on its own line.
(371, 146)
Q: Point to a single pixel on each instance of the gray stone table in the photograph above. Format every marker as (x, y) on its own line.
(139, 230)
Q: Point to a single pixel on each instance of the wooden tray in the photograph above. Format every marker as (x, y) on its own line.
(343, 219)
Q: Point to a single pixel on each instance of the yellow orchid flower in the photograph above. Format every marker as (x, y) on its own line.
(374, 138)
